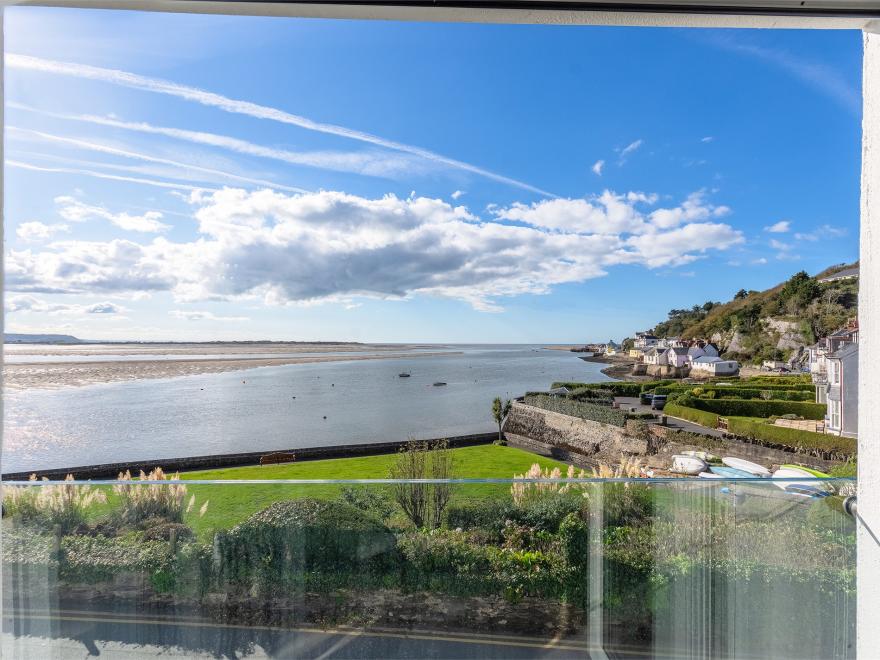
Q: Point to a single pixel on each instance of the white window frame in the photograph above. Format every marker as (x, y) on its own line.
(834, 414)
(656, 13)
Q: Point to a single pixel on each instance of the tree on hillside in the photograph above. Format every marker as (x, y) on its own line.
(798, 292)
(742, 293)
(499, 412)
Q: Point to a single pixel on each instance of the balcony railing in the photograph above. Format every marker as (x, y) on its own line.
(696, 568)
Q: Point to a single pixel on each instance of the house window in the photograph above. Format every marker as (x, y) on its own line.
(835, 373)
(834, 412)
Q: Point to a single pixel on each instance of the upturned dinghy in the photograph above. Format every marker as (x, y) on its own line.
(702, 455)
(683, 464)
(809, 487)
(753, 469)
(730, 473)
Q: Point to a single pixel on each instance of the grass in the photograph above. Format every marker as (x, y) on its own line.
(230, 503)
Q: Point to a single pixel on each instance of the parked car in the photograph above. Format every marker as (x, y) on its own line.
(658, 401)
(645, 398)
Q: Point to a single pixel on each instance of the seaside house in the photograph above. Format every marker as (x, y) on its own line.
(820, 352)
(677, 356)
(714, 366)
(841, 275)
(656, 356)
(645, 340)
(842, 391)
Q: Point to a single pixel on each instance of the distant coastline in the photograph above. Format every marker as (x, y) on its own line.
(71, 372)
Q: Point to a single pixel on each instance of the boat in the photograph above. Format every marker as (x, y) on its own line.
(805, 490)
(439, 384)
(688, 464)
(809, 483)
(730, 472)
(710, 475)
(815, 473)
(753, 469)
(403, 375)
(702, 455)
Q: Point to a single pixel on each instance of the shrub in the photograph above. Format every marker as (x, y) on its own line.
(162, 532)
(755, 407)
(591, 395)
(749, 393)
(486, 514)
(64, 506)
(603, 414)
(823, 445)
(89, 559)
(423, 503)
(849, 468)
(293, 537)
(371, 501)
(677, 409)
(620, 388)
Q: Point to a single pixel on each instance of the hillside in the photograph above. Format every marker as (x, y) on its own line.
(15, 338)
(773, 324)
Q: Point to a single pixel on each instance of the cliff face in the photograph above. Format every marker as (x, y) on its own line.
(774, 324)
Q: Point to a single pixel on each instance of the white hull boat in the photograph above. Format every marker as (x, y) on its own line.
(746, 466)
(683, 464)
(810, 485)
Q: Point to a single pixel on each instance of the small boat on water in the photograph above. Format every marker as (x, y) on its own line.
(439, 384)
(403, 375)
(753, 469)
(688, 464)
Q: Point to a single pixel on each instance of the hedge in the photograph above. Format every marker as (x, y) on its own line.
(604, 414)
(830, 447)
(748, 393)
(620, 388)
(707, 419)
(755, 408)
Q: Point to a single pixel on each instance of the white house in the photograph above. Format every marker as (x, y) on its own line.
(657, 356)
(645, 340)
(677, 356)
(714, 366)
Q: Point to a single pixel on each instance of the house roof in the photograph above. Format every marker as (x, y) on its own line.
(651, 351)
(846, 272)
(679, 350)
(708, 358)
(696, 350)
(845, 351)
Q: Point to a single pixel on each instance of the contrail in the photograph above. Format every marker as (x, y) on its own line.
(94, 146)
(204, 97)
(102, 175)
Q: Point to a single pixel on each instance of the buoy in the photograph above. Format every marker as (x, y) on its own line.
(325, 416)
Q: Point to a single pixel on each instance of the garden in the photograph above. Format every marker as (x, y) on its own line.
(512, 558)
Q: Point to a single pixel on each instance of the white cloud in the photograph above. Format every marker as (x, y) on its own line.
(707, 139)
(73, 210)
(204, 97)
(27, 303)
(780, 227)
(825, 231)
(204, 316)
(99, 175)
(628, 150)
(333, 246)
(38, 231)
(760, 261)
(457, 194)
(597, 167)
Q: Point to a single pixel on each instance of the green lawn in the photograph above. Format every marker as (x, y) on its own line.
(230, 503)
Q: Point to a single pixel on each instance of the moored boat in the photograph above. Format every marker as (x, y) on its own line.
(683, 464)
(753, 469)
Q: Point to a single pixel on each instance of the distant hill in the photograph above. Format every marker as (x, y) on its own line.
(12, 338)
(773, 324)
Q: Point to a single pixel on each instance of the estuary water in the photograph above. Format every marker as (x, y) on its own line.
(273, 408)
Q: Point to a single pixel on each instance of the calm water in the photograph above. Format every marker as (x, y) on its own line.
(364, 401)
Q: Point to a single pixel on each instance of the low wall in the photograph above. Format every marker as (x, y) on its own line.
(537, 429)
(112, 470)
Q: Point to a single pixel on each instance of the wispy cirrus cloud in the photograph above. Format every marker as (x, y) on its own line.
(238, 106)
(818, 75)
(193, 315)
(126, 153)
(780, 227)
(628, 150)
(371, 163)
(101, 175)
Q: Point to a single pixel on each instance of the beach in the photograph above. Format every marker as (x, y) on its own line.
(54, 367)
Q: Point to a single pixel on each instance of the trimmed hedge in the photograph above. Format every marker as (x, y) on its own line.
(830, 447)
(707, 419)
(754, 407)
(620, 388)
(603, 414)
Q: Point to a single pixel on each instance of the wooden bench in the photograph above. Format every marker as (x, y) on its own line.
(277, 457)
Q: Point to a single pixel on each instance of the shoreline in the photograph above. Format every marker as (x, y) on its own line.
(619, 367)
(58, 375)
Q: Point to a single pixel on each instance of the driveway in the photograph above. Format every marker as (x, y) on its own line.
(627, 402)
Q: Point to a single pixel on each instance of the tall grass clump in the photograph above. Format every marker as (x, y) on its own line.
(142, 502)
(64, 505)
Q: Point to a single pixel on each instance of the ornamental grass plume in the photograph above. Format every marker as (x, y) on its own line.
(63, 505)
(140, 502)
(524, 492)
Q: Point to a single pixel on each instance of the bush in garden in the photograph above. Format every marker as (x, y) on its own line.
(371, 500)
(141, 502)
(64, 506)
(162, 531)
(290, 538)
(88, 559)
(423, 503)
(584, 410)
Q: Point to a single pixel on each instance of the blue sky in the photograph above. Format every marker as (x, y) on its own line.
(202, 177)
